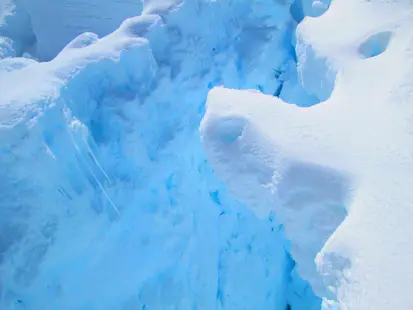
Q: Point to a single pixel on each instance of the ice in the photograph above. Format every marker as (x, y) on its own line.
(337, 173)
(200, 154)
(15, 24)
(6, 48)
(107, 200)
(71, 18)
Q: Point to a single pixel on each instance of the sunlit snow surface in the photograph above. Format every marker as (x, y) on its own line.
(347, 162)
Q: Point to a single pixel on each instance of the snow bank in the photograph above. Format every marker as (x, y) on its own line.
(265, 164)
(337, 173)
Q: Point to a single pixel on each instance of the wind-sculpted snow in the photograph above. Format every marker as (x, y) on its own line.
(337, 174)
(106, 198)
(308, 198)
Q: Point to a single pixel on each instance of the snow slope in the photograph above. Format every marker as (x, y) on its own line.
(106, 198)
(337, 174)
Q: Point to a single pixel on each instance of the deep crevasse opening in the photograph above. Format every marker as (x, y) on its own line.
(119, 200)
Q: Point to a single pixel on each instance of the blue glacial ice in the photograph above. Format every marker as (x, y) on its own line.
(107, 200)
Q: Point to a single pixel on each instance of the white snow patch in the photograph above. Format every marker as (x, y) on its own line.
(360, 138)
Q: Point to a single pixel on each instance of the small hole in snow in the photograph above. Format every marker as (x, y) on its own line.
(375, 45)
(229, 129)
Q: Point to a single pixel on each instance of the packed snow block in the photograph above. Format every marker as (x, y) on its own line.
(69, 18)
(246, 140)
(356, 146)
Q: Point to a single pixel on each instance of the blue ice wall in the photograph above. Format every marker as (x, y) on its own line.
(107, 201)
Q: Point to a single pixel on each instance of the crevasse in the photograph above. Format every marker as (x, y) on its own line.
(107, 200)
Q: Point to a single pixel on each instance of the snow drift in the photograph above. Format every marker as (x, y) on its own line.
(337, 173)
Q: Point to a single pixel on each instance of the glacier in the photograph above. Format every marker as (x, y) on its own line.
(205, 154)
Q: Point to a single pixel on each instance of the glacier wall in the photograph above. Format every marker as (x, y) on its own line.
(107, 199)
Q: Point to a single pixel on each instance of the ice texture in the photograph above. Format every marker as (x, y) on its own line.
(107, 200)
(205, 154)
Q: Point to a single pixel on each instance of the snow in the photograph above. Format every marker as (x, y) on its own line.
(337, 173)
(181, 154)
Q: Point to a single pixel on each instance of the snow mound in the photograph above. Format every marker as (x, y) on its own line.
(263, 162)
(337, 173)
